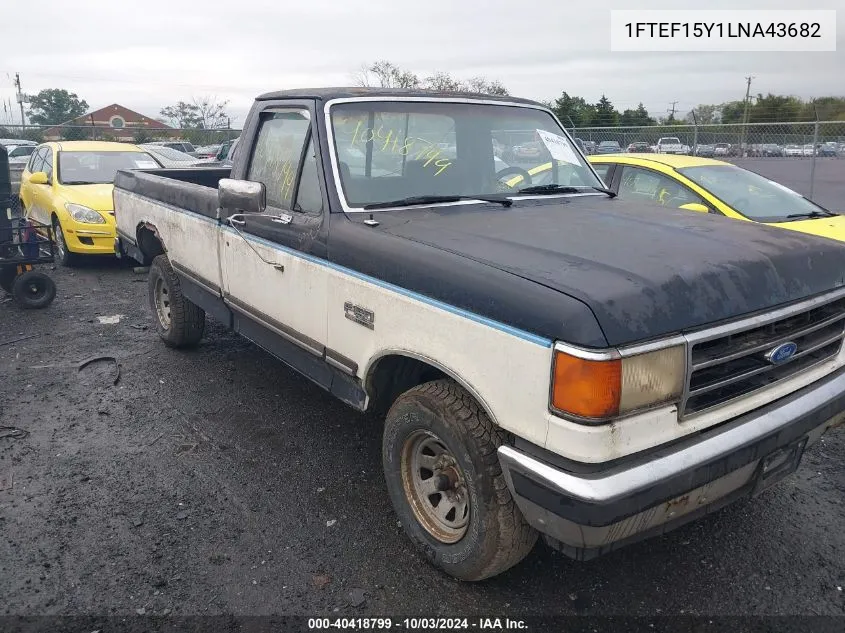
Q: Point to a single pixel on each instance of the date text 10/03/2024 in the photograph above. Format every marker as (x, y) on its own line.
(390, 142)
(418, 624)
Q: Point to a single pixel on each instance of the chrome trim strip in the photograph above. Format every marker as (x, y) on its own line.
(342, 363)
(759, 348)
(624, 483)
(333, 153)
(764, 319)
(202, 283)
(95, 233)
(293, 337)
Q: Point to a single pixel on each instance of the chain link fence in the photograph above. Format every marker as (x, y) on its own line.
(805, 156)
(129, 134)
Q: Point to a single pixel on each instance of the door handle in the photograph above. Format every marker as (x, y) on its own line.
(236, 220)
(283, 218)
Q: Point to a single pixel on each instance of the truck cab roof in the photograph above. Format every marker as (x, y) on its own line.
(327, 94)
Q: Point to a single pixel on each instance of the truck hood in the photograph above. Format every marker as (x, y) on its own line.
(643, 271)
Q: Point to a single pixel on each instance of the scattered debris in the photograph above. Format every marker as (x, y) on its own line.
(182, 515)
(357, 597)
(157, 438)
(13, 432)
(321, 489)
(166, 612)
(320, 580)
(139, 326)
(141, 269)
(18, 340)
(331, 522)
(141, 611)
(96, 359)
(110, 320)
(138, 522)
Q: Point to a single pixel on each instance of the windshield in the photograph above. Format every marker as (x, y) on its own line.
(671, 140)
(94, 168)
(751, 194)
(393, 150)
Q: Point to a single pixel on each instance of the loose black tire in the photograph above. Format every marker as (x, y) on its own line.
(497, 536)
(33, 290)
(180, 323)
(61, 252)
(8, 274)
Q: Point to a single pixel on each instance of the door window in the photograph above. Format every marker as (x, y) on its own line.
(36, 163)
(276, 157)
(644, 184)
(48, 164)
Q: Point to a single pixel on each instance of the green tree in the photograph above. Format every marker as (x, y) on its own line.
(54, 105)
(777, 108)
(732, 111)
(385, 74)
(182, 115)
(606, 115)
(637, 117)
(573, 110)
(703, 114)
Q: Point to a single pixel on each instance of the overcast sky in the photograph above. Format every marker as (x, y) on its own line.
(151, 53)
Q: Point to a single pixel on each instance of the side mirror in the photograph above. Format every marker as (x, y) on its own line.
(39, 178)
(243, 196)
(695, 206)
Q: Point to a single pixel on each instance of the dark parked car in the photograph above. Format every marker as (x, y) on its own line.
(828, 149)
(608, 147)
(639, 147)
(706, 151)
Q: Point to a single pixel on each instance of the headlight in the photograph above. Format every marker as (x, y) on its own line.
(599, 387)
(81, 213)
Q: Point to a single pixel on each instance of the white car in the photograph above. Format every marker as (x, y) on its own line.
(808, 150)
(721, 149)
(169, 157)
(793, 150)
(19, 154)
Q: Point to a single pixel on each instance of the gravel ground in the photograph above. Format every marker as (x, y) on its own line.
(218, 481)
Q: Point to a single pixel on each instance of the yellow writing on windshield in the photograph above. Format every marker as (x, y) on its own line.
(392, 142)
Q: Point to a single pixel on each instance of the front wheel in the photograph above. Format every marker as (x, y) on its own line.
(443, 475)
(62, 254)
(180, 323)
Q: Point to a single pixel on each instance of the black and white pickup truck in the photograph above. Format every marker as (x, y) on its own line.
(550, 360)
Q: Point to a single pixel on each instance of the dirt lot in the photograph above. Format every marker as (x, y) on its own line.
(217, 481)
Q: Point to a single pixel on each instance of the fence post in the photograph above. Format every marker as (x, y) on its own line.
(694, 134)
(815, 151)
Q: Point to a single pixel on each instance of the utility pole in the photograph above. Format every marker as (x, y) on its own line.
(742, 147)
(20, 100)
(672, 110)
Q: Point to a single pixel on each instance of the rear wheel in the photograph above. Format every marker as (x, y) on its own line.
(444, 478)
(180, 323)
(62, 254)
(33, 290)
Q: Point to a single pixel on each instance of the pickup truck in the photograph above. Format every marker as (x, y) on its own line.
(548, 360)
(669, 145)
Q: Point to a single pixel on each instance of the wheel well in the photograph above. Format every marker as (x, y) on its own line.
(392, 375)
(149, 242)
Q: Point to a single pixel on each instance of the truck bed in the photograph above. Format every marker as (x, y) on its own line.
(192, 189)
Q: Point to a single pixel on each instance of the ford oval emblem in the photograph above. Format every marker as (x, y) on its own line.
(781, 353)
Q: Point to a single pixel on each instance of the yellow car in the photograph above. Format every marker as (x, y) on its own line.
(69, 186)
(705, 185)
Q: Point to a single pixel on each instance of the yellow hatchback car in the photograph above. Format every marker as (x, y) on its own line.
(69, 185)
(713, 186)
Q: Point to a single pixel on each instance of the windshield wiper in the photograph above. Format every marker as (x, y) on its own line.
(552, 189)
(811, 214)
(412, 200)
(81, 182)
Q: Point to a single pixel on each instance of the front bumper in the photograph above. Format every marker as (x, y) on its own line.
(89, 239)
(587, 511)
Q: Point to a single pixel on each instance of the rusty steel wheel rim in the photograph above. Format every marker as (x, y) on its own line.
(435, 487)
(162, 299)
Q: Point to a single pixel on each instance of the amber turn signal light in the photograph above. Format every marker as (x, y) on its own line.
(587, 388)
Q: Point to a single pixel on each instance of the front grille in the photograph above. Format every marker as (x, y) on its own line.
(733, 365)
